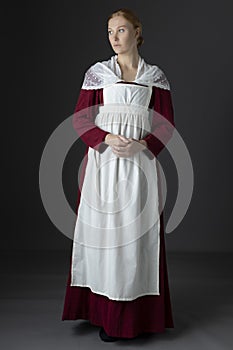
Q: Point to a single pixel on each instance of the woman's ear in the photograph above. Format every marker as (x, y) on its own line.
(137, 33)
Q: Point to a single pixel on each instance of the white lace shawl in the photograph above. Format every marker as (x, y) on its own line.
(105, 73)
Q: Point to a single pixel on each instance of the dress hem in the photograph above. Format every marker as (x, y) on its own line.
(134, 335)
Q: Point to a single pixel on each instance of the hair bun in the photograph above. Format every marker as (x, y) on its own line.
(140, 40)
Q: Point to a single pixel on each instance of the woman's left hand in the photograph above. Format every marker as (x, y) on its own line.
(129, 149)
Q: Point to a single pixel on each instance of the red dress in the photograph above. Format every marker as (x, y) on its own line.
(149, 313)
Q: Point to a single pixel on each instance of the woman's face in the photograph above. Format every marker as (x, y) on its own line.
(122, 35)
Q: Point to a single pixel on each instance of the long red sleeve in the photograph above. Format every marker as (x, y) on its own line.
(86, 109)
(161, 128)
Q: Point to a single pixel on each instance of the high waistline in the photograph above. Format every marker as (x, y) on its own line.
(123, 108)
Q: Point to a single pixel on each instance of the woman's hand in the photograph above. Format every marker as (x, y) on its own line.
(123, 146)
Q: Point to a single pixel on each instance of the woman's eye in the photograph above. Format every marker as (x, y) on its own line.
(120, 30)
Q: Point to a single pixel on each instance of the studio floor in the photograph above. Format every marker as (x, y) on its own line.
(33, 289)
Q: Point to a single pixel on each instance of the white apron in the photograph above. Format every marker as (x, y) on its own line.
(116, 239)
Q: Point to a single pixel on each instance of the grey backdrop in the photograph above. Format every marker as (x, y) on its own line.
(48, 47)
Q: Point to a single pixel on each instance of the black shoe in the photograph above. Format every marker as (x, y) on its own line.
(103, 335)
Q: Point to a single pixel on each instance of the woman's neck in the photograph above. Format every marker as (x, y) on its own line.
(128, 61)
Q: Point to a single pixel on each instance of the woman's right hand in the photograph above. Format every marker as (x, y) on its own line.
(116, 141)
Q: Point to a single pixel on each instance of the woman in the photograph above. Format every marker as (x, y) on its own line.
(118, 276)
